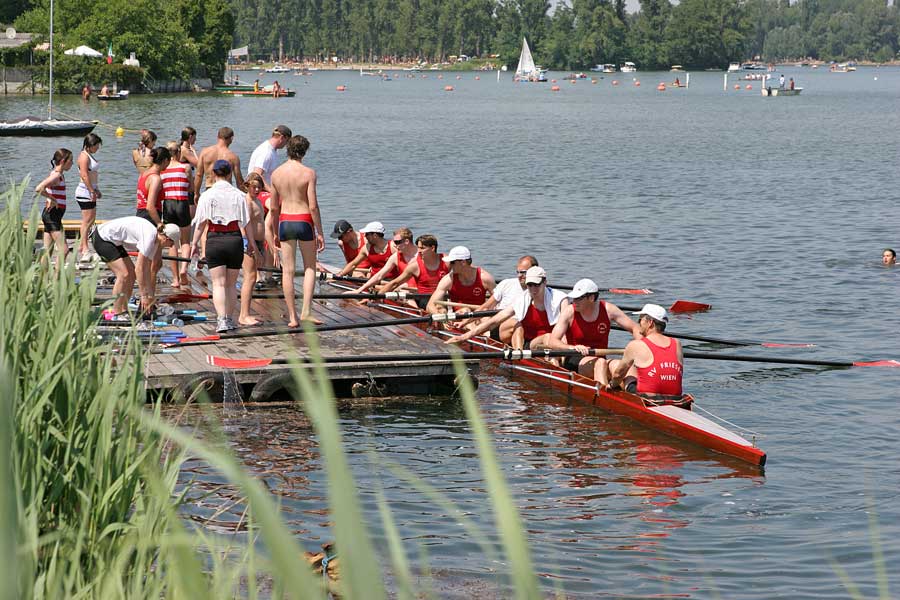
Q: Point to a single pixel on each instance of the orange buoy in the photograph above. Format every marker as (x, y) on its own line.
(637, 83)
(555, 88)
(615, 82)
(737, 86)
(440, 76)
(594, 81)
(661, 87)
(341, 88)
(572, 81)
(749, 87)
(552, 81)
(478, 78)
(448, 88)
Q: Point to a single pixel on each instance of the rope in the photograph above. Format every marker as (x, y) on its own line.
(100, 123)
(726, 421)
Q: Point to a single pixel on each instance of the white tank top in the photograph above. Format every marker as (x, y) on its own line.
(82, 190)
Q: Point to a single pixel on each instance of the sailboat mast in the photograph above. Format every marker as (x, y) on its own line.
(50, 105)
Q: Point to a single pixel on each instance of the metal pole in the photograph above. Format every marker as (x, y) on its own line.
(50, 104)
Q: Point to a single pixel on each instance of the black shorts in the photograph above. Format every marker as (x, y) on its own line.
(191, 199)
(86, 203)
(145, 214)
(296, 230)
(571, 363)
(177, 211)
(107, 250)
(224, 249)
(52, 218)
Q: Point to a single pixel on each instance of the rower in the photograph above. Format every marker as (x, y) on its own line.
(504, 295)
(651, 366)
(350, 242)
(889, 257)
(534, 313)
(376, 249)
(466, 286)
(426, 271)
(584, 324)
(398, 261)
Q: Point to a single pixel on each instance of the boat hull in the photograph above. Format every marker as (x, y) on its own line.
(240, 93)
(47, 128)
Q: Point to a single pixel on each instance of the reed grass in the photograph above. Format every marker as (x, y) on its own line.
(93, 505)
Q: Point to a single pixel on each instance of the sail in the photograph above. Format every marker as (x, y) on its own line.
(526, 63)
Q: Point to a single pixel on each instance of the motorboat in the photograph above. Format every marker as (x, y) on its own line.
(629, 67)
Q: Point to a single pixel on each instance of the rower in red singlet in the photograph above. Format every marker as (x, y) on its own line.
(149, 187)
(426, 271)
(351, 243)
(651, 366)
(376, 250)
(584, 324)
(467, 286)
(396, 263)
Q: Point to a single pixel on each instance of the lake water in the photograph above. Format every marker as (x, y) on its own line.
(774, 210)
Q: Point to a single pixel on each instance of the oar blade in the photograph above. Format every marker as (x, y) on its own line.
(204, 338)
(237, 363)
(685, 306)
(878, 363)
(632, 292)
(176, 298)
(777, 345)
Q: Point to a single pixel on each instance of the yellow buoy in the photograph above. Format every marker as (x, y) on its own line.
(120, 132)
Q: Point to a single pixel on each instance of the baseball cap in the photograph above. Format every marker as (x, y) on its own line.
(582, 287)
(173, 232)
(221, 167)
(535, 274)
(373, 227)
(457, 253)
(340, 228)
(654, 311)
(282, 130)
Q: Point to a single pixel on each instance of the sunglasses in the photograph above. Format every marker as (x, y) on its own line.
(520, 273)
(400, 241)
(534, 284)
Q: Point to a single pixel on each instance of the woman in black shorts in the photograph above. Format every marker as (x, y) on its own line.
(223, 214)
(87, 193)
(53, 188)
(177, 188)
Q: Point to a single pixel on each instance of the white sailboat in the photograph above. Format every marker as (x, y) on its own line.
(526, 70)
(49, 127)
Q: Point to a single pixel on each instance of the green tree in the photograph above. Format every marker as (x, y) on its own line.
(706, 33)
(647, 36)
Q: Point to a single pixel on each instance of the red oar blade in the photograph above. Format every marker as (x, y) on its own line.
(683, 306)
(203, 338)
(175, 298)
(633, 292)
(237, 363)
(777, 345)
(878, 363)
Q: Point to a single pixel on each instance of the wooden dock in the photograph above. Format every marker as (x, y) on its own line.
(180, 375)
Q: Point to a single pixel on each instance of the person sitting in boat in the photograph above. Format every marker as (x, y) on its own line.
(406, 252)
(889, 257)
(104, 91)
(653, 365)
(276, 89)
(256, 85)
(506, 293)
(426, 271)
(351, 243)
(791, 85)
(677, 82)
(465, 286)
(376, 250)
(583, 325)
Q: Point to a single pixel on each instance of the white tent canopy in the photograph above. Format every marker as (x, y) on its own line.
(84, 51)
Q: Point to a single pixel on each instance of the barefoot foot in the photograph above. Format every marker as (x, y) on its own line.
(249, 321)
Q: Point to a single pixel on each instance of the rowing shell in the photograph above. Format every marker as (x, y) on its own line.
(676, 421)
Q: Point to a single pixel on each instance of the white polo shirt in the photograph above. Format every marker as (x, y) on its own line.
(264, 158)
(133, 233)
(507, 291)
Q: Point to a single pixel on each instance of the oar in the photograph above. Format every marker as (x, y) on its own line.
(508, 354)
(621, 291)
(712, 340)
(792, 361)
(354, 296)
(338, 327)
(679, 306)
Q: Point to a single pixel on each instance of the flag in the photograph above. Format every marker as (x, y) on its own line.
(109, 54)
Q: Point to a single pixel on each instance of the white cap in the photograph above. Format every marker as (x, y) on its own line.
(535, 274)
(457, 253)
(173, 232)
(582, 287)
(373, 227)
(654, 311)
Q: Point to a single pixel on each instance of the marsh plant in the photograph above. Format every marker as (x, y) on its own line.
(92, 506)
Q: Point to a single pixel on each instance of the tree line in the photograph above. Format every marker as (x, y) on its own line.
(178, 37)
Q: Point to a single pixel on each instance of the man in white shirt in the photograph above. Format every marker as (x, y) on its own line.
(504, 296)
(263, 159)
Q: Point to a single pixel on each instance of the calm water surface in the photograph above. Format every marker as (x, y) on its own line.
(773, 210)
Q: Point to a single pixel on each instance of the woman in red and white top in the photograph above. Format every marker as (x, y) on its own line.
(149, 187)
(53, 188)
(177, 189)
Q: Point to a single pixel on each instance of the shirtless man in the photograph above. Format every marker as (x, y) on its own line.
(211, 154)
(294, 207)
(256, 228)
(465, 285)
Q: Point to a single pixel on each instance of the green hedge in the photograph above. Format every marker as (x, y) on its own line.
(71, 72)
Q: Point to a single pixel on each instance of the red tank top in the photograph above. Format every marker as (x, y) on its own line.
(535, 323)
(350, 253)
(376, 260)
(58, 191)
(401, 266)
(427, 281)
(593, 334)
(175, 183)
(468, 294)
(263, 198)
(663, 376)
(142, 194)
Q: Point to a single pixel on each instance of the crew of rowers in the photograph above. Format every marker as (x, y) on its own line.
(532, 315)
